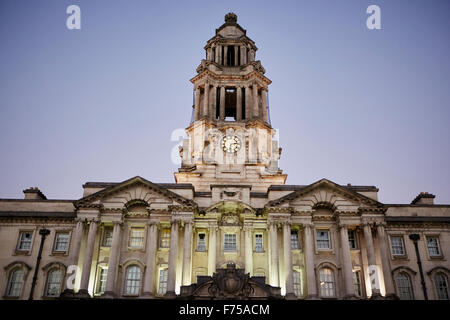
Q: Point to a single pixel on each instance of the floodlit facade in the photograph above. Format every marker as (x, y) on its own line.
(229, 227)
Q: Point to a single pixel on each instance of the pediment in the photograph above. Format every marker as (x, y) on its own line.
(231, 32)
(325, 194)
(134, 190)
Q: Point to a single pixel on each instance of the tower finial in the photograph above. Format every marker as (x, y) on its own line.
(230, 18)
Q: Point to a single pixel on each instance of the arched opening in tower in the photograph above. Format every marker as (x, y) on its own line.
(230, 104)
(230, 56)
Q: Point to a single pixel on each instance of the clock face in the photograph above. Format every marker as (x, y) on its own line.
(231, 144)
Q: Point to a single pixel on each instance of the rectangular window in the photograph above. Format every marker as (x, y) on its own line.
(201, 242)
(162, 287)
(25, 241)
(259, 245)
(297, 283)
(101, 286)
(357, 283)
(62, 242)
(323, 239)
(164, 241)
(397, 246)
(137, 237)
(294, 240)
(352, 239)
(230, 243)
(433, 246)
(107, 237)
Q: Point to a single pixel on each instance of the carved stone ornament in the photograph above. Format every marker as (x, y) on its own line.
(230, 283)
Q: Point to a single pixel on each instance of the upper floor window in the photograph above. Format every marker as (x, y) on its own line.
(61, 242)
(53, 285)
(132, 280)
(164, 241)
(15, 283)
(441, 283)
(352, 239)
(259, 245)
(323, 239)
(24, 243)
(107, 237)
(433, 246)
(230, 242)
(162, 284)
(404, 286)
(201, 242)
(294, 240)
(297, 283)
(327, 286)
(397, 246)
(137, 237)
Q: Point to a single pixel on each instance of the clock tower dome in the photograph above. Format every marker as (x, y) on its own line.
(230, 138)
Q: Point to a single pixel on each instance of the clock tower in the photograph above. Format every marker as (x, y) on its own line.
(230, 138)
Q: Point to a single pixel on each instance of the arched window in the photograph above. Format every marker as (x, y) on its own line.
(441, 283)
(132, 280)
(162, 283)
(327, 285)
(53, 286)
(15, 283)
(297, 283)
(404, 286)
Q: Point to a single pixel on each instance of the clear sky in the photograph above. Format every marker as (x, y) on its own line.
(353, 105)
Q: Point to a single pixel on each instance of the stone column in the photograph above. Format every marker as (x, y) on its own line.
(238, 104)
(264, 104)
(347, 262)
(274, 254)
(373, 268)
(222, 103)
(78, 236)
(217, 55)
(288, 260)
(309, 260)
(236, 58)
(150, 261)
(187, 253)
(248, 103)
(225, 55)
(197, 104)
(255, 101)
(243, 55)
(113, 259)
(212, 105)
(206, 100)
(219, 48)
(388, 281)
(87, 263)
(212, 250)
(248, 232)
(172, 259)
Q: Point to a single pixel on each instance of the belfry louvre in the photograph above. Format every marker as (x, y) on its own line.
(229, 227)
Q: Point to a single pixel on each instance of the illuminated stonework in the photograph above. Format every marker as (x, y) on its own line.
(229, 227)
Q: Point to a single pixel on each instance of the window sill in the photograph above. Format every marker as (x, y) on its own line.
(130, 295)
(22, 253)
(263, 251)
(59, 253)
(436, 258)
(136, 249)
(400, 257)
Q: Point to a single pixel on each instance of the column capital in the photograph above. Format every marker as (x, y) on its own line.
(152, 223)
(308, 225)
(342, 226)
(380, 224)
(175, 220)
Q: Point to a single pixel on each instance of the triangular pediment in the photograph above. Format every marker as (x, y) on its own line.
(325, 194)
(136, 189)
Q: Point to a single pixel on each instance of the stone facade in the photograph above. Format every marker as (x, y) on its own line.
(229, 227)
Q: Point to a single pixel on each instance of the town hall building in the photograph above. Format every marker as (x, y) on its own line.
(228, 227)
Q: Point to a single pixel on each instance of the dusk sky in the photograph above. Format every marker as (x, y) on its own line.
(353, 105)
